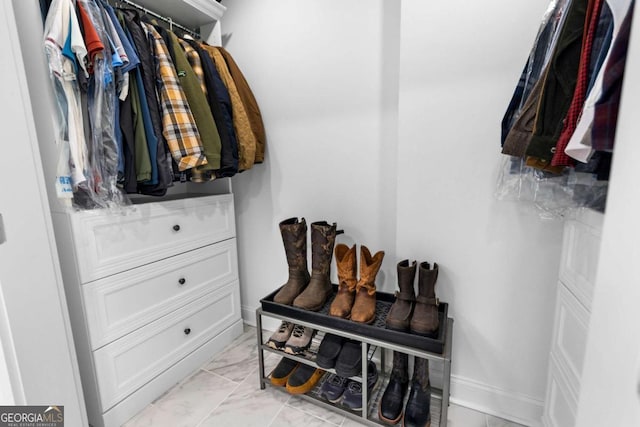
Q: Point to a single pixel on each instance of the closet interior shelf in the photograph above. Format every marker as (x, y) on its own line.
(168, 20)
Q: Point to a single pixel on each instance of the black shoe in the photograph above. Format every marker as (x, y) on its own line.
(349, 361)
(303, 379)
(390, 410)
(353, 395)
(333, 388)
(417, 413)
(283, 370)
(329, 350)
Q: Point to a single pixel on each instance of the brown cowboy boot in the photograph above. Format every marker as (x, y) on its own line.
(294, 237)
(347, 272)
(323, 237)
(364, 309)
(425, 314)
(401, 310)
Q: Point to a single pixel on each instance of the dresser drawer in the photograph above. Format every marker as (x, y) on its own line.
(570, 336)
(130, 362)
(122, 303)
(580, 253)
(107, 243)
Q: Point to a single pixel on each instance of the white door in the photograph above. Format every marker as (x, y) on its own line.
(45, 370)
(610, 383)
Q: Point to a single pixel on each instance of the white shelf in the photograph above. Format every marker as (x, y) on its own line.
(189, 13)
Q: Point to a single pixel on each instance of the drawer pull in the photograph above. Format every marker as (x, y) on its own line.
(176, 227)
(182, 281)
(187, 331)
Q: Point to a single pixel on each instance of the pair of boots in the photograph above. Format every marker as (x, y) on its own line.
(309, 292)
(417, 314)
(356, 299)
(417, 412)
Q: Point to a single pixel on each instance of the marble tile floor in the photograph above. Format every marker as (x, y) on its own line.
(226, 392)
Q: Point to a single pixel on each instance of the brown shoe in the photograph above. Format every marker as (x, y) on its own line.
(347, 271)
(323, 237)
(401, 310)
(294, 237)
(425, 314)
(364, 308)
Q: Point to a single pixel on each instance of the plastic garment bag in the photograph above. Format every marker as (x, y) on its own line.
(101, 106)
(552, 195)
(64, 49)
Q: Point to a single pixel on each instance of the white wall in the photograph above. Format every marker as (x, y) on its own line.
(317, 71)
(417, 182)
(499, 262)
(610, 393)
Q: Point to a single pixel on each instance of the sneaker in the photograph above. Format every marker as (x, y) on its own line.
(300, 340)
(353, 393)
(303, 379)
(333, 387)
(283, 371)
(280, 337)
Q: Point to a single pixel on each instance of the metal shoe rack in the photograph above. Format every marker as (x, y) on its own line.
(439, 397)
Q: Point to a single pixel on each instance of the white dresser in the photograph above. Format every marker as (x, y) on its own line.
(153, 294)
(578, 266)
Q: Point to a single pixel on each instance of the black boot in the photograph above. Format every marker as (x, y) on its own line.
(390, 409)
(417, 413)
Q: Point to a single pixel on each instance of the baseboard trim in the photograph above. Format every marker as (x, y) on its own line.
(248, 314)
(495, 401)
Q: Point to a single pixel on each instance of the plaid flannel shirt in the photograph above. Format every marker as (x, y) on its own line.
(179, 126)
(196, 63)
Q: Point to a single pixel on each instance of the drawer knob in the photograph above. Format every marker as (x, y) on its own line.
(176, 227)
(187, 331)
(182, 281)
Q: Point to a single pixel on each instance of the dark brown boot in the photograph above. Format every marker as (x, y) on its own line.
(323, 237)
(294, 237)
(418, 410)
(364, 308)
(401, 310)
(425, 313)
(347, 279)
(392, 401)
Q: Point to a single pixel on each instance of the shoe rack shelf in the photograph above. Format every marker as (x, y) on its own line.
(439, 397)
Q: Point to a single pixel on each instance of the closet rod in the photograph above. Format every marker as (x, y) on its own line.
(170, 21)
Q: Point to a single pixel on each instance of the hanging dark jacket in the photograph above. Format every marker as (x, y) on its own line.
(220, 105)
(147, 69)
(560, 84)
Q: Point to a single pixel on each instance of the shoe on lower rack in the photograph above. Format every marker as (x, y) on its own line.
(283, 371)
(333, 388)
(303, 379)
(329, 350)
(353, 394)
(280, 337)
(349, 361)
(300, 340)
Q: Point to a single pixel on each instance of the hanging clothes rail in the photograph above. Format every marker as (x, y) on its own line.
(171, 22)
